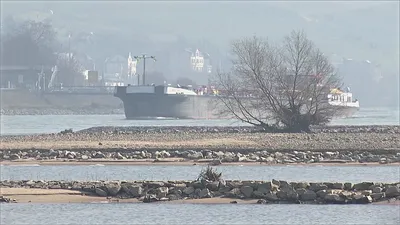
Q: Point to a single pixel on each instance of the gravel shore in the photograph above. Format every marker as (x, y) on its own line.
(341, 144)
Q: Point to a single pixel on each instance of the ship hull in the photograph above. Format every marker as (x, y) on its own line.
(140, 106)
(176, 106)
(345, 111)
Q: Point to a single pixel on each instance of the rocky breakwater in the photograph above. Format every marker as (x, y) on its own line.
(275, 191)
(205, 156)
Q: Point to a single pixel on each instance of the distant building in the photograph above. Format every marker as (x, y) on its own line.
(131, 66)
(115, 66)
(200, 62)
(197, 61)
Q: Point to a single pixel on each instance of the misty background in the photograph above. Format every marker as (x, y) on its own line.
(360, 38)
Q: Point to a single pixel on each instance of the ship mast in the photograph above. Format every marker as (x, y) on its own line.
(144, 57)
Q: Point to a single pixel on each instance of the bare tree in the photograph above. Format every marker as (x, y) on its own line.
(28, 44)
(278, 87)
(70, 71)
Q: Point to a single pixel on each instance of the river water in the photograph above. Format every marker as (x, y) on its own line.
(184, 172)
(136, 213)
(131, 213)
(28, 124)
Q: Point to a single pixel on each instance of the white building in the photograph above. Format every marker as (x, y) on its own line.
(131, 66)
(197, 61)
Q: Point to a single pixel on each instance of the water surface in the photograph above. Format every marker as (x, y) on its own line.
(185, 172)
(131, 213)
(29, 124)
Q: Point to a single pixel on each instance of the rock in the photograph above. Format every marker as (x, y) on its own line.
(276, 182)
(132, 190)
(197, 184)
(195, 155)
(7, 200)
(173, 197)
(154, 184)
(150, 198)
(367, 192)
(262, 201)
(338, 186)
(215, 162)
(334, 199)
(100, 192)
(308, 196)
(392, 191)
(99, 155)
(301, 185)
(301, 191)
(284, 184)
(234, 184)
(204, 193)
(287, 194)
(213, 186)
(113, 188)
(271, 196)
(188, 190)
(269, 159)
(362, 199)
(14, 157)
(30, 183)
(84, 157)
(377, 190)
(348, 186)
(378, 196)
(197, 191)
(53, 153)
(233, 202)
(71, 155)
(363, 186)
(234, 193)
(317, 187)
(119, 156)
(258, 194)
(247, 191)
(162, 192)
(268, 186)
(224, 189)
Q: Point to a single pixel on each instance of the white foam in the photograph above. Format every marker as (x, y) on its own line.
(23, 165)
(97, 165)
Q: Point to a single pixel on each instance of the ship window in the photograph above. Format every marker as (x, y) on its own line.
(348, 99)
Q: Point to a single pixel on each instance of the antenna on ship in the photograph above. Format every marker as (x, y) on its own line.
(144, 57)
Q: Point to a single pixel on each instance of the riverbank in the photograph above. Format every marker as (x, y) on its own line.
(214, 145)
(200, 191)
(61, 111)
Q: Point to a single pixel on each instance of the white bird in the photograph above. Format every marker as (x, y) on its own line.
(51, 11)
